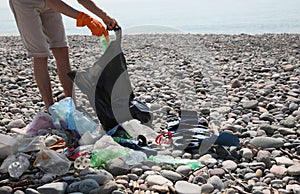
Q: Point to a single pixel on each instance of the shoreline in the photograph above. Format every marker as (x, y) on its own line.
(250, 84)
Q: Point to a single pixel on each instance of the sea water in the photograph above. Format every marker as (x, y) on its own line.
(189, 16)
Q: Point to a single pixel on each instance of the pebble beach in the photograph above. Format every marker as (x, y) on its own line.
(248, 85)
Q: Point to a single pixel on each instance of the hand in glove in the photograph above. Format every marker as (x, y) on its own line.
(94, 25)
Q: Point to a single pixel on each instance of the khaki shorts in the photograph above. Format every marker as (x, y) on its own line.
(40, 28)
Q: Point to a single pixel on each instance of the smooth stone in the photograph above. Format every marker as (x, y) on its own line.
(286, 131)
(107, 188)
(230, 191)
(160, 188)
(99, 178)
(118, 192)
(50, 188)
(17, 123)
(258, 173)
(266, 116)
(19, 192)
(6, 190)
(262, 155)
(269, 129)
(252, 104)
(184, 170)
(122, 182)
(210, 162)
(266, 142)
(294, 170)
(157, 180)
(229, 165)
(216, 171)
(184, 187)
(137, 171)
(289, 122)
(207, 188)
(118, 167)
(249, 176)
(84, 186)
(171, 175)
(294, 188)
(133, 177)
(284, 161)
(216, 182)
(31, 191)
(278, 171)
(246, 153)
(236, 83)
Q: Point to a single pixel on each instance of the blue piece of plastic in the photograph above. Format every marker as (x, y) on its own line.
(62, 114)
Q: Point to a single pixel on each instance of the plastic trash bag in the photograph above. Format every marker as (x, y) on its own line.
(108, 88)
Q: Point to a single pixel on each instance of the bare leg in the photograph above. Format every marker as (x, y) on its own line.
(63, 67)
(42, 78)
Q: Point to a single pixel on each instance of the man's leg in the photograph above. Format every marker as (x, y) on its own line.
(63, 67)
(42, 78)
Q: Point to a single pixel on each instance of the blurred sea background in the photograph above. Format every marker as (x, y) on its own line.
(189, 16)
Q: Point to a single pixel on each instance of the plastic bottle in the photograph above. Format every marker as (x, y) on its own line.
(135, 128)
(104, 42)
(18, 167)
(134, 157)
(102, 157)
(84, 123)
(194, 164)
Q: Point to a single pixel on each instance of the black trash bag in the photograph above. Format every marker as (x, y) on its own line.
(108, 88)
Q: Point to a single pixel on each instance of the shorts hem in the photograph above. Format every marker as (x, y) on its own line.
(58, 45)
(37, 55)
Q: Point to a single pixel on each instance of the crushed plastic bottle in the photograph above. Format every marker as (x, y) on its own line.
(135, 128)
(104, 42)
(18, 167)
(84, 123)
(100, 158)
(89, 138)
(134, 157)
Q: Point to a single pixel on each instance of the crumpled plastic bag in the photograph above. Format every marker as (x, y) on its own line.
(51, 162)
(62, 114)
(40, 121)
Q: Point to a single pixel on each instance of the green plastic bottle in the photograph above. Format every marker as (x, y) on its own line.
(104, 42)
(194, 164)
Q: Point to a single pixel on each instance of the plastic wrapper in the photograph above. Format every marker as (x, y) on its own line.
(52, 162)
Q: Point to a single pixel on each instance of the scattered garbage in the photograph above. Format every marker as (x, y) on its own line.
(65, 116)
(188, 133)
(84, 123)
(40, 121)
(62, 114)
(134, 128)
(29, 144)
(51, 162)
(166, 159)
(8, 146)
(19, 165)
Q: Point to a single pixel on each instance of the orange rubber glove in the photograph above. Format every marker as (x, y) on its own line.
(94, 25)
